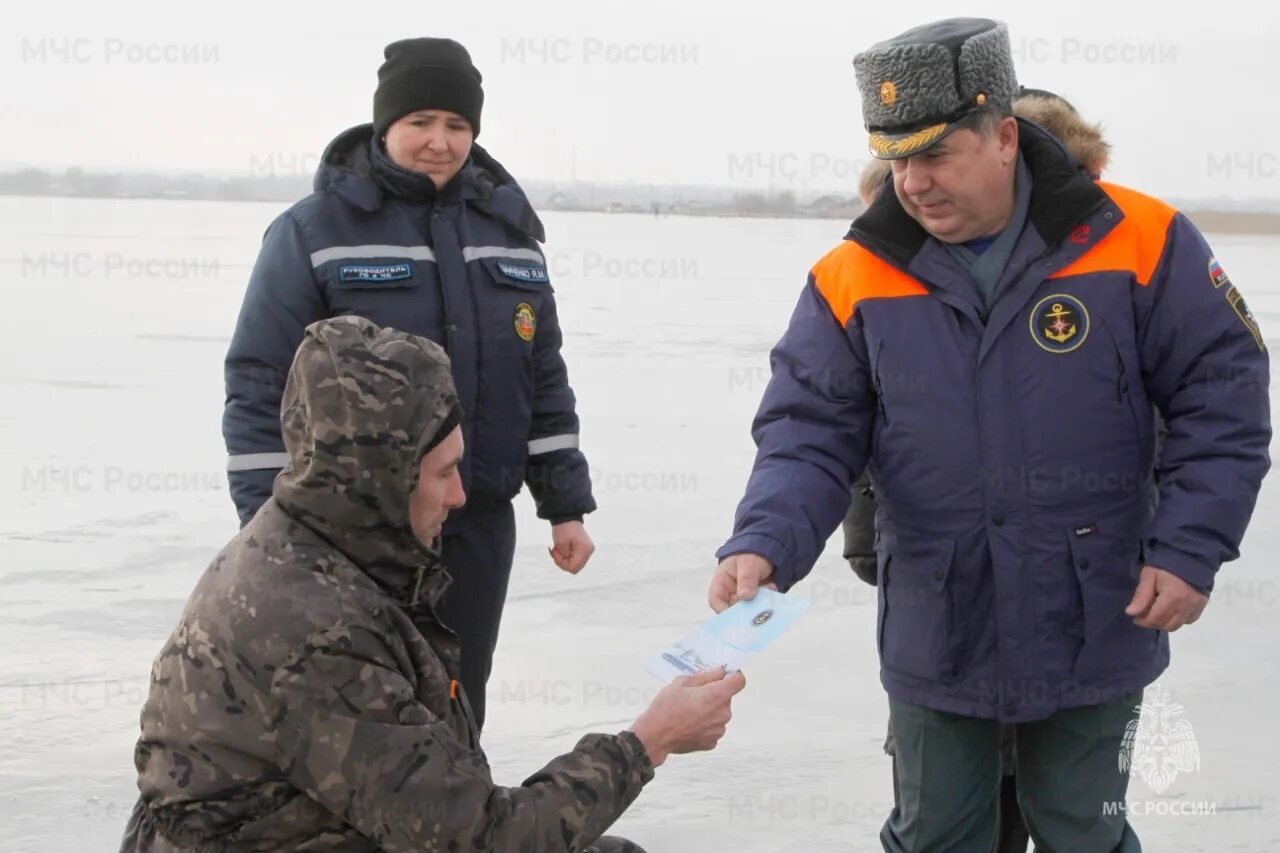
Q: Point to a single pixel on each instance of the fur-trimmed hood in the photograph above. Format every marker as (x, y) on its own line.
(1083, 140)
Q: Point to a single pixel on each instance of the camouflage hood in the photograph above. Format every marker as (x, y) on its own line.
(360, 406)
(306, 700)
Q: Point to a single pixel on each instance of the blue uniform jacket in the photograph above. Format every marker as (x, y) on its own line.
(462, 268)
(1013, 452)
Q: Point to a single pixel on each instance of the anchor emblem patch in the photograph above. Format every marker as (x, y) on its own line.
(1059, 323)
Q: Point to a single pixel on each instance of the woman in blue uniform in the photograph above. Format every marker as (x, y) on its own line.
(416, 227)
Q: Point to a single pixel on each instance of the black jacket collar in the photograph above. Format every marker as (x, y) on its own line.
(484, 183)
(1061, 196)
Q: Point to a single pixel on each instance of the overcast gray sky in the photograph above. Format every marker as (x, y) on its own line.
(698, 92)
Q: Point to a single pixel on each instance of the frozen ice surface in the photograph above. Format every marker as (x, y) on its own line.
(111, 463)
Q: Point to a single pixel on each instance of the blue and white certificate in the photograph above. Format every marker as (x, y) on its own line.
(731, 636)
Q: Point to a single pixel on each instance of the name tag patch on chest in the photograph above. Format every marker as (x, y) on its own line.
(374, 272)
(524, 272)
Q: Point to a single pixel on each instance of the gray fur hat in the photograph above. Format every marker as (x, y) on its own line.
(916, 87)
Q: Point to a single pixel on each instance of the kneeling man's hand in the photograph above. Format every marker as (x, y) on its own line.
(690, 714)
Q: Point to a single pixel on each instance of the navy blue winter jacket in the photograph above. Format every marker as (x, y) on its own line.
(462, 267)
(1013, 451)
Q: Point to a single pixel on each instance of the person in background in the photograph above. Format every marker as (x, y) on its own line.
(860, 522)
(414, 225)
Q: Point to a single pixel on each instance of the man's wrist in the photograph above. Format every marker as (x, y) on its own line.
(565, 519)
(650, 740)
(1185, 566)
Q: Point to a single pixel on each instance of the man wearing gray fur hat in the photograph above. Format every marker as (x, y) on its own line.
(992, 340)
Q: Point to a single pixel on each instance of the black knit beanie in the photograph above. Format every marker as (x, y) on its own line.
(426, 74)
(451, 420)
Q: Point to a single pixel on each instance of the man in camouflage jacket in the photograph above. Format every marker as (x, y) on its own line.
(308, 698)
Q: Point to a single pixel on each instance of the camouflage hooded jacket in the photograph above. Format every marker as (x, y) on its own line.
(307, 699)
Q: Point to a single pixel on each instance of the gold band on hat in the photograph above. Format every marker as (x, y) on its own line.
(887, 148)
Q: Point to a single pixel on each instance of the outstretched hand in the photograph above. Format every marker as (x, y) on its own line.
(737, 578)
(691, 714)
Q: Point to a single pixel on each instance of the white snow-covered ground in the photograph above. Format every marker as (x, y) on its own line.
(118, 316)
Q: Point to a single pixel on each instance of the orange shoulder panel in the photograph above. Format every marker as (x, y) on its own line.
(849, 274)
(1135, 245)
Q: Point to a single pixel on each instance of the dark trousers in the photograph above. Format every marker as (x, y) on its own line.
(1012, 836)
(479, 560)
(1068, 781)
(1011, 833)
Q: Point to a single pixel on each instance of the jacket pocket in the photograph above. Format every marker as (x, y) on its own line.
(1124, 396)
(1107, 574)
(880, 420)
(920, 632)
(513, 301)
(510, 299)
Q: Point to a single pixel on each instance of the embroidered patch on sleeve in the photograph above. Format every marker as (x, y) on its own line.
(1217, 274)
(1236, 300)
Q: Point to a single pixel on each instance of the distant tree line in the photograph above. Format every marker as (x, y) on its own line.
(1219, 214)
(77, 182)
(271, 187)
